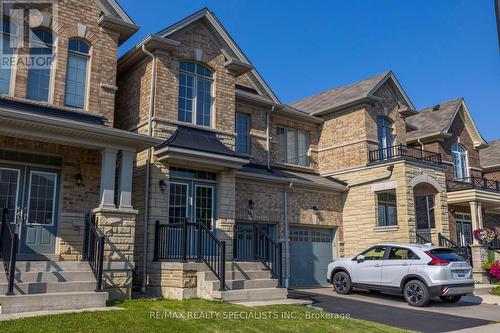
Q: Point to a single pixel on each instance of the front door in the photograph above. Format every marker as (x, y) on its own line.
(34, 191)
(464, 229)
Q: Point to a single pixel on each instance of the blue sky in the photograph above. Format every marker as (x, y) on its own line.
(439, 50)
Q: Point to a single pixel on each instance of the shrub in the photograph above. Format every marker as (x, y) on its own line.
(495, 269)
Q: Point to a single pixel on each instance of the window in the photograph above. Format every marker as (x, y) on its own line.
(7, 32)
(460, 165)
(375, 253)
(446, 255)
(424, 207)
(398, 253)
(195, 94)
(294, 146)
(243, 133)
(40, 67)
(384, 132)
(387, 211)
(76, 75)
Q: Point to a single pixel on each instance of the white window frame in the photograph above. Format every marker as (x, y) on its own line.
(195, 94)
(87, 76)
(465, 156)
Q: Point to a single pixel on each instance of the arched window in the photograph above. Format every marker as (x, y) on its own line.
(460, 164)
(384, 131)
(195, 94)
(76, 75)
(41, 48)
(8, 30)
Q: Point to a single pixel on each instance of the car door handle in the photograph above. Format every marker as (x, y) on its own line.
(377, 265)
(404, 264)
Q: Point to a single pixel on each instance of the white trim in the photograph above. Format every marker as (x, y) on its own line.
(123, 15)
(398, 85)
(384, 186)
(28, 199)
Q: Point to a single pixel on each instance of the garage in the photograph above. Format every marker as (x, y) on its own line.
(311, 250)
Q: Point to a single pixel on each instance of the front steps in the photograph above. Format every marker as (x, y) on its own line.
(245, 282)
(51, 285)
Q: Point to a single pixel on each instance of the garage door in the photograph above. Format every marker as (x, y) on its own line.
(310, 253)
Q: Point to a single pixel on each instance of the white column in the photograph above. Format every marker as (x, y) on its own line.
(108, 171)
(473, 214)
(479, 215)
(126, 168)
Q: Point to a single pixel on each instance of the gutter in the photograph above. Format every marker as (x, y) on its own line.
(287, 238)
(390, 170)
(148, 169)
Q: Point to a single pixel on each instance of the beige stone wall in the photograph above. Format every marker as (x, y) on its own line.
(78, 19)
(360, 216)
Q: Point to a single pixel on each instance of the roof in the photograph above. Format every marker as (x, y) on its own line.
(490, 156)
(343, 96)
(431, 122)
(437, 120)
(113, 9)
(285, 176)
(198, 139)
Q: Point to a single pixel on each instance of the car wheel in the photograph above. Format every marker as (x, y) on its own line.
(416, 293)
(451, 299)
(342, 283)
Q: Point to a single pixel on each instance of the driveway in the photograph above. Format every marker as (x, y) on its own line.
(393, 310)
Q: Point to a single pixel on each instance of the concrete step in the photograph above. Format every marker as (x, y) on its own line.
(31, 288)
(240, 275)
(483, 289)
(52, 301)
(245, 265)
(61, 276)
(52, 266)
(245, 284)
(249, 295)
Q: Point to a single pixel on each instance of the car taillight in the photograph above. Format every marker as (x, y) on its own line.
(435, 260)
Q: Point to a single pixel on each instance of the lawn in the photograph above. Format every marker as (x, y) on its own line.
(496, 291)
(194, 316)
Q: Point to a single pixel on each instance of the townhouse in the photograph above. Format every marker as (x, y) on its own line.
(200, 181)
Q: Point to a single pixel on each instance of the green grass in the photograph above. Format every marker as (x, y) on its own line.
(137, 318)
(495, 291)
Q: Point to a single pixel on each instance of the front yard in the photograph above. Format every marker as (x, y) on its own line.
(194, 316)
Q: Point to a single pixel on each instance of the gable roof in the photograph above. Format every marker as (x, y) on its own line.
(436, 121)
(335, 98)
(205, 13)
(113, 9)
(490, 156)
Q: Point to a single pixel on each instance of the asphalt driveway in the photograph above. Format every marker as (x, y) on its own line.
(392, 310)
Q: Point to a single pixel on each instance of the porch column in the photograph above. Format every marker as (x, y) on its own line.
(108, 171)
(126, 167)
(479, 215)
(474, 218)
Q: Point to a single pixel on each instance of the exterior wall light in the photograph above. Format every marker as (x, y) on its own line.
(78, 179)
(163, 185)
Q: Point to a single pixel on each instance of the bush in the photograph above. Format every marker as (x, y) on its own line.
(495, 291)
(495, 269)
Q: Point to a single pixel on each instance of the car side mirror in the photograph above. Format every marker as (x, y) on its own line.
(360, 258)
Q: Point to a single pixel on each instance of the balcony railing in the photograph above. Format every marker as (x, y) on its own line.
(402, 151)
(477, 183)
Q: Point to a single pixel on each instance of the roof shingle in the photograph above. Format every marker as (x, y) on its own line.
(490, 156)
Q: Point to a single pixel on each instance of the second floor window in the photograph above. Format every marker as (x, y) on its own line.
(387, 209)
(76, 75)
(243, 133)
(384, 132)
(7, 38)
(195, 94)
(294, 146)
(460, 165)
(41, 45)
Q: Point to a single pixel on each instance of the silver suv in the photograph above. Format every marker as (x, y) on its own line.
(419, 272)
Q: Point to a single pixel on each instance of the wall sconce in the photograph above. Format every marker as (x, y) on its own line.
(315, 210)
(251, 206)
(315, 214)
(163, 185)
(78, 179)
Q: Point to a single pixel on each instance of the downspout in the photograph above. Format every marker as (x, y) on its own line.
(390, 170)
(148, 169)
(268, 143)
(421, 144)
(287, 236)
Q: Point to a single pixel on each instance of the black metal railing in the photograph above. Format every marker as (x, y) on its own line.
(464, 251)
(188, 240)
(422, 240)
(93, 249)
(402, 151)
(254, 243)
(472, 182)
(494, 244)
(8, 250)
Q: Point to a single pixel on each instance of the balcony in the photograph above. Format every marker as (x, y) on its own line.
(404, 152)
(473, 183)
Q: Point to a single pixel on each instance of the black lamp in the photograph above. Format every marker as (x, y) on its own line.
(163, 185)
(78, 179)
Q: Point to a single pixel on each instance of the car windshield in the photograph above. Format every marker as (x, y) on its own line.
(446, 254)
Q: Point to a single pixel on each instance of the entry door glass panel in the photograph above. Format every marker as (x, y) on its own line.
(42, 196)
(9, 190)
(178, 202)
(204, 205)
(464, 228)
